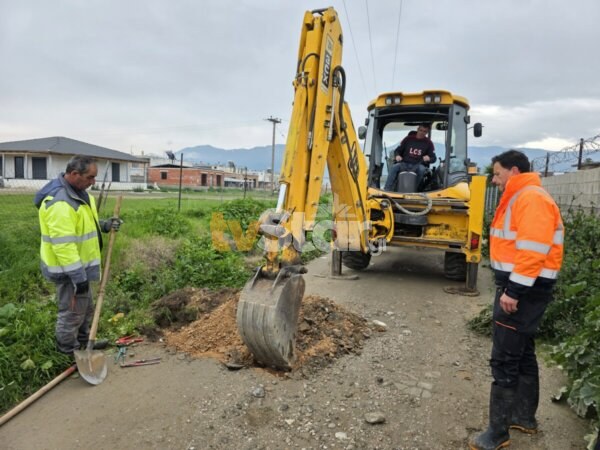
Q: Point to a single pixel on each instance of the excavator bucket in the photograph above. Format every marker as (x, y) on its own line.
(267, 319)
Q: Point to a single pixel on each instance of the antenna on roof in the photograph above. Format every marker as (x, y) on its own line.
(171, 155)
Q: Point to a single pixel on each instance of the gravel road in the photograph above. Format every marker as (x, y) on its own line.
(420, 384)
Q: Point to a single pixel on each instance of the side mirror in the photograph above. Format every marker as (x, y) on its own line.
(477, 129)
(441, 126)
(362, 132)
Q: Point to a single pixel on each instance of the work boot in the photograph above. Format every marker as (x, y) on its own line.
(100, 344)
(526, 404)
(496, 436)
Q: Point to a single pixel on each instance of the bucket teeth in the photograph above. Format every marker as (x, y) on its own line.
(267, 320)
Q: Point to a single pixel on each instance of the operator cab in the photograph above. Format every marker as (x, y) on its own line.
(393, 116)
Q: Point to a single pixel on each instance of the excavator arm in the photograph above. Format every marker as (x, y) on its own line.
(321, 132)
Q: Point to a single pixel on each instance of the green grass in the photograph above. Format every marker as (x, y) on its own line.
(160, 248)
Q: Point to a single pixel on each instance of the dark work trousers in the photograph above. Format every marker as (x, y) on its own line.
(75, 314)
(513, 348)
(402, 166)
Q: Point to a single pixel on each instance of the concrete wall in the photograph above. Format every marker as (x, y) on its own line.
(579, 189)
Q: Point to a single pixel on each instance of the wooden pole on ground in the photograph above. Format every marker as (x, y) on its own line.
(28, 401)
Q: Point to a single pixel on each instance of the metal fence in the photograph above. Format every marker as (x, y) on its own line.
(492, 196)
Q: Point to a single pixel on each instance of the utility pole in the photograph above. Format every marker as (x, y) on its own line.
(580, 154)
(275, 122)
(547, 164)
(180, 179)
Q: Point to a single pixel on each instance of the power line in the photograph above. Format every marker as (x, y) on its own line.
(396, 49)
(371, 45)
(362, 78)
(160, 130)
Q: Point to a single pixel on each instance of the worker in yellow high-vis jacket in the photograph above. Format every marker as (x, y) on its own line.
(526, 252)
(70, 251)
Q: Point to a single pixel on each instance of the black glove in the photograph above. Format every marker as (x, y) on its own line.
(113, 223)
(82, 288)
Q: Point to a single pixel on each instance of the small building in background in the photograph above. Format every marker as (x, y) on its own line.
(33, 162)
(194, 177)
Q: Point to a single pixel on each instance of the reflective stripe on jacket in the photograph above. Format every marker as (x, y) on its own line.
(70, 247)
(526, 235)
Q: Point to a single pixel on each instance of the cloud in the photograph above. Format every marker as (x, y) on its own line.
(153, 74)
(550, 124)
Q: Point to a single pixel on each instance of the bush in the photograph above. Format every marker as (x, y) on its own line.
(243, 211)
(573, 319)
(578, 282)
(199, 264)
(579, 356)
(166, 222)
(28, 358)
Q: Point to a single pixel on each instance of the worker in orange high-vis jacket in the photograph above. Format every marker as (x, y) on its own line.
(526, 251)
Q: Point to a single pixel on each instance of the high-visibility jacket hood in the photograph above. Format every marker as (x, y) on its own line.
(49, 189)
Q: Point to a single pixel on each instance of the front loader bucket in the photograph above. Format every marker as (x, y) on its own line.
(267, 319)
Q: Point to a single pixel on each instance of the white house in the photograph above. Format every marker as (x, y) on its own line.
(25, 164)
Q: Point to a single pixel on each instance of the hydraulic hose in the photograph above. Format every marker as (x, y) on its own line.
(413, 213)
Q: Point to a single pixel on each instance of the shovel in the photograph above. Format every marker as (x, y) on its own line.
(91, 363)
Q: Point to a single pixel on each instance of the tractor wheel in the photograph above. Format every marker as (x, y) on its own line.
(356, 260)
(455, 266)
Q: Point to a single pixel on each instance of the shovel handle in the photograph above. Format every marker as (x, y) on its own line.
(104, 280)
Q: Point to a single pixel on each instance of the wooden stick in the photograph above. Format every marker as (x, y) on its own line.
(32, 398)
(104, 280)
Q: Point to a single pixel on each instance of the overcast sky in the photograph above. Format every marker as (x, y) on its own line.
(149, 75)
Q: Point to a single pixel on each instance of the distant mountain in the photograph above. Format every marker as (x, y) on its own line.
(256, 158)
(259, 158)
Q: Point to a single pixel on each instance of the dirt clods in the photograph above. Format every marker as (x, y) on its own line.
(202, 323)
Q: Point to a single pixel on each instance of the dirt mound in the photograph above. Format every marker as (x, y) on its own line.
(187, 305)
(203, 324)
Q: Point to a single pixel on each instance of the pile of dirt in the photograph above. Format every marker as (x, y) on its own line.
(187, 305)
(202, 323)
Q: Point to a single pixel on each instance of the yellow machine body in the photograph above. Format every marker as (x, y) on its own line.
(447, 214)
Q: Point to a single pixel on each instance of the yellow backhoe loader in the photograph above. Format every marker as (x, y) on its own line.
(444, 212)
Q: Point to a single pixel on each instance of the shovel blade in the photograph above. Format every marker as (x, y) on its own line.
(91, 365)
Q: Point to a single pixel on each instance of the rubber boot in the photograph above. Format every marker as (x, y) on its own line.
(526, 404)
(496, 436)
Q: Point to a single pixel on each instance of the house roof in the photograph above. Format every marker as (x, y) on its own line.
(171, 166)
(59, 145)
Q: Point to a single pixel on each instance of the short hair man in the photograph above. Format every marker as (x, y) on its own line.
(526, 250)
(71, 244)
(411, 155)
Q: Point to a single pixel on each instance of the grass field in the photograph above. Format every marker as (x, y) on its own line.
(161, 247)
